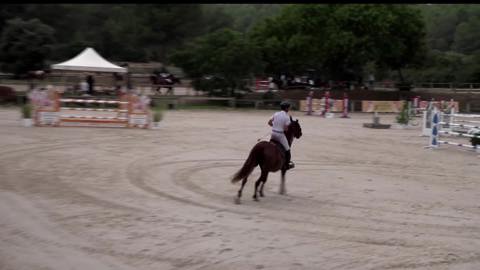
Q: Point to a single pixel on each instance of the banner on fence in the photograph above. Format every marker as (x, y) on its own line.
(424, 104)
(382, 106)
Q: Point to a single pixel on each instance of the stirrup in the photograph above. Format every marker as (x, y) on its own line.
(290, 165)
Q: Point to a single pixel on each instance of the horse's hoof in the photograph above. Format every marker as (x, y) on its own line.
(261, 195)
(282, 192)
(256, 199)
(237, 200)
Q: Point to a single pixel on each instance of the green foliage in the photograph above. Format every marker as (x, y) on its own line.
(245, 16)
(446, 67)
(403, 44)
(225, 54)
(404, 117)
(25, 45)
(290, 42)
(158, 109)
(340, 39)
(336, 40)
(121, 32)
(467, 36)
(451, 27)
(157, 114)
(27, 110)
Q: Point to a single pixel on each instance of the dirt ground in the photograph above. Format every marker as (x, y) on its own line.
(106, 198)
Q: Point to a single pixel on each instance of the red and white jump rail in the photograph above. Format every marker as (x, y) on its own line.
(132, 112)
(325, 106)
(92, 109)
(90, 101)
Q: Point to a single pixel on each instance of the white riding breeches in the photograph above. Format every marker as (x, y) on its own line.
(281, 138)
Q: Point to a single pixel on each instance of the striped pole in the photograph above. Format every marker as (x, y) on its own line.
(457, 134)
(468, 121)
(416, 100)
(345, 106)
(461, 125)
(327, 105)
(435, 127)
(452, 113)
(309, 103)
(458, 144)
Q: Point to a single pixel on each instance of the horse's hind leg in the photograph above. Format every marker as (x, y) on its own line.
(283, 190)
(262, 178)
(239, 195)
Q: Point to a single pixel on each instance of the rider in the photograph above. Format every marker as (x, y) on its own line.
(279, 123)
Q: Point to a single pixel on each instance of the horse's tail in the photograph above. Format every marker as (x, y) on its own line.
(247, 168)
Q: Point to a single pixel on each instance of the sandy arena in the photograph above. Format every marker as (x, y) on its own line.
(105, 198)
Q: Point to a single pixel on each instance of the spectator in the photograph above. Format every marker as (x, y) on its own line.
(371, 80)
(117, 81)
(309, 103)
(91, 84)
(129, 81)
(83, 87)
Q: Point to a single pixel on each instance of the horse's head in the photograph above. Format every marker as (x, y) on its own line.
(295, 128)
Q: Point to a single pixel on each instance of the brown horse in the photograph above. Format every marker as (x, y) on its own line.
(270, 157)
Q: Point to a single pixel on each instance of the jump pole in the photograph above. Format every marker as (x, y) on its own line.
(345, 106)
(326, 113)
(435, 127)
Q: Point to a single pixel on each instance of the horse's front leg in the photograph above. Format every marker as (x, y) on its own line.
(283, 190)
(262, 185)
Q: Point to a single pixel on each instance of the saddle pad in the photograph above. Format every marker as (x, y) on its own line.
(279, 145)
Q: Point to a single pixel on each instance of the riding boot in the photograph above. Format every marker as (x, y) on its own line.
(288, 164)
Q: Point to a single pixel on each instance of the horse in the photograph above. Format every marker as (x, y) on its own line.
(270, 156)
(165, 80)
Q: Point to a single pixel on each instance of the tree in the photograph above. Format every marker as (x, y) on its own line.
(467, 37)
(8, 12)
(292, 41)
(402, 43)
(226, 53)
(340, 39)
(245, 16)
(123, 32)
(25, 45)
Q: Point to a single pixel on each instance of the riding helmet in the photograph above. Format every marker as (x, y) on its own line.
(284, 105)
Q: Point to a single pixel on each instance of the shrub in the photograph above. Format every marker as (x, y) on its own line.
(404, 117)
(27, 110)
(157, 115)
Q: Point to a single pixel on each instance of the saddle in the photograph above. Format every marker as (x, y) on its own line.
(283, 153)
(279, 145)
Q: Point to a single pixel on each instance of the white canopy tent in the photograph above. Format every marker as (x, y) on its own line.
(89, 60)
